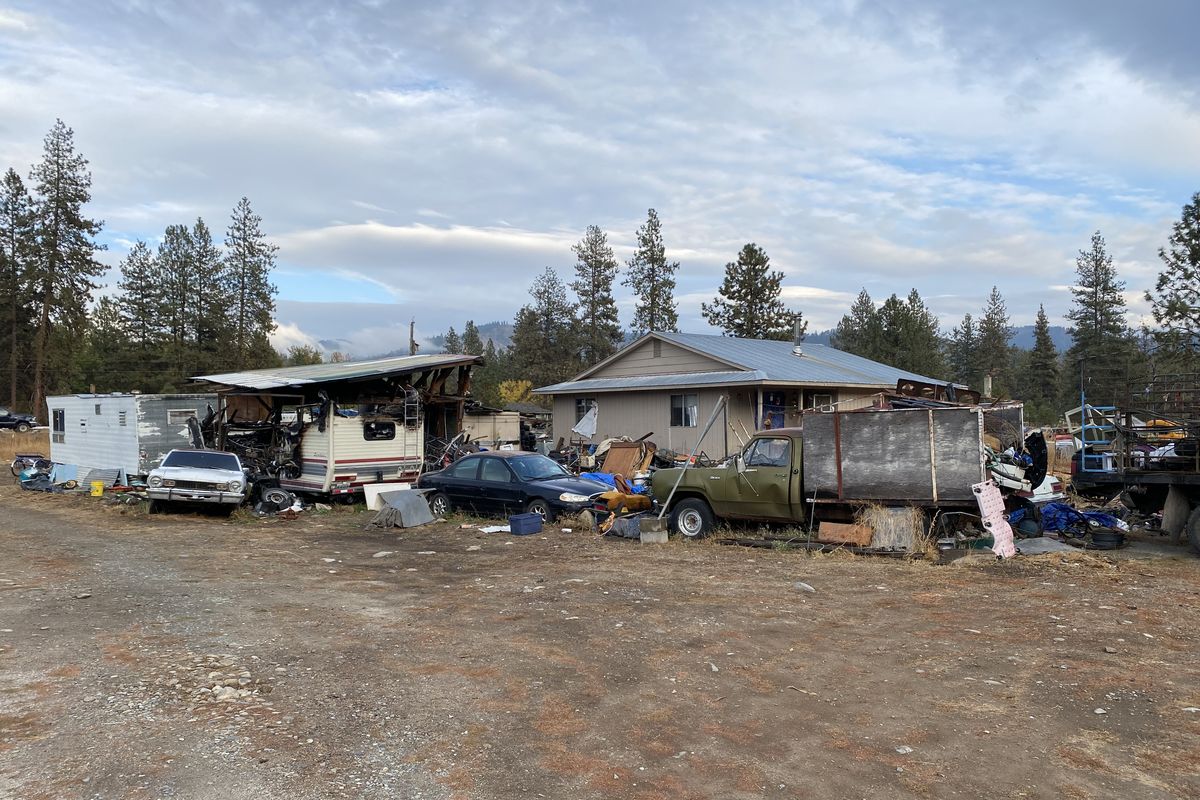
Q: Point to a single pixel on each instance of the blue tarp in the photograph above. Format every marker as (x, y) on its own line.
(611, 481)
(1058, 517)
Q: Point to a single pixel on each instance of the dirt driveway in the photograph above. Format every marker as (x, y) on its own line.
(188, 657)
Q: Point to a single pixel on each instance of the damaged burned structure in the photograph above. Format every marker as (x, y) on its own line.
(330, 429)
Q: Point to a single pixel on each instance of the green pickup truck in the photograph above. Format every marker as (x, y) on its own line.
(763, 482)
(840, 461)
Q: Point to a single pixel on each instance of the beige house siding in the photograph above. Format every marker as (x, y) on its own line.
(656, 357)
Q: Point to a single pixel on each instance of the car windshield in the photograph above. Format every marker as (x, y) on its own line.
(536, 468)
(202, 459)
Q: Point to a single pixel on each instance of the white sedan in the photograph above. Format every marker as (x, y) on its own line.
(211, 477)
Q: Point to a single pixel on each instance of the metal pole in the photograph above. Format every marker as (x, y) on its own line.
(711, 419)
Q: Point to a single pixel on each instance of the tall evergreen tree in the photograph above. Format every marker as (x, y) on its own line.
(16, 255)
(962, 353)
(595, 270)
(1101, 342)
(652, 279)
(471, 343)
(544, 341)
(249, 259)
(177, 291)
(748, 305)
(1175, 299)
(209, 317)
(994, 353)
(1041, 385)
(920, 339)
(64, 267)
(451, 343)
(140, 305)
(861, 331)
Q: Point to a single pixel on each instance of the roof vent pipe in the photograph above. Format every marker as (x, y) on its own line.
(797, 338)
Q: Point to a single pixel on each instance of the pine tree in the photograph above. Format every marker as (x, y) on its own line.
(176, 291)
(920, 339)
(16, 255)
(861, 331)
(1175, 299)
(652, 279)
(471, 343)
(1101, 342)
(748, 305)
(993, 354)
(451, 343)
(1042, 373)
(139, 302)
(962, 353)
(595, 271)
(249, 259)
(64, 267)
(209, 320)
(545, 342)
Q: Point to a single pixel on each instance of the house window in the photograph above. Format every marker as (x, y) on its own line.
(58, 425)
(822, 402)
(657, 348)
(97, 409)
(381, 431)
(582, 406)
(684, 410)
(179, 416)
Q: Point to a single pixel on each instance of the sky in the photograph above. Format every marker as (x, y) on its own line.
(427, 160)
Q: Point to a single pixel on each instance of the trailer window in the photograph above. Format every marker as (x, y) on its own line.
(379, 431)
(59, 425)
(179, 416)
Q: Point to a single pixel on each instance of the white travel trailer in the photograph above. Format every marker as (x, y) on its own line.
(331, 429)
(129, 432)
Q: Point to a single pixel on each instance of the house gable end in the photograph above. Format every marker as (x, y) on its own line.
(654, 356)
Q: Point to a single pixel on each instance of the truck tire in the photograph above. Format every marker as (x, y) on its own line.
(1193, 530)
(692, 518)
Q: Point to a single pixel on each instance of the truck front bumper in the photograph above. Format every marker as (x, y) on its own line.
(196, 496)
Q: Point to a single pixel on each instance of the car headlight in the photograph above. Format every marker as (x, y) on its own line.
(155, 480)
(571, 497)
(235, 486)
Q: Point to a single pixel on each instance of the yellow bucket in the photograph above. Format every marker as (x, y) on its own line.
(97, 488)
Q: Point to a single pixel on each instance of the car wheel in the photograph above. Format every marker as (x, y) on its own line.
(439, 505)
(24, 427)
(541, 508)
(692, 518)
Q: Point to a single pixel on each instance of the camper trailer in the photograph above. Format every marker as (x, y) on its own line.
(128, 432)
(331, 429)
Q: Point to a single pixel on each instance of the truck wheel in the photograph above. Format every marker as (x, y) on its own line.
(692, 518)
(1193, 529)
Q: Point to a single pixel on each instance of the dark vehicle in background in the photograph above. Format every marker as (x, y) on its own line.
(17, 422)
(505, 482)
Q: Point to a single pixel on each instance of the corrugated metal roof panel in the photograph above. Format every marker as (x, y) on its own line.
(767, 360)
(654, 381)
(264, 379)
(819, 364)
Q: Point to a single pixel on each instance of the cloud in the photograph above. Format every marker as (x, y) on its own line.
(437, 157)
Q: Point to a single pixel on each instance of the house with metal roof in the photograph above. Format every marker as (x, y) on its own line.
(668, 384)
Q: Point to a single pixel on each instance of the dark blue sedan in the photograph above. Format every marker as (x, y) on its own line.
(508, 482)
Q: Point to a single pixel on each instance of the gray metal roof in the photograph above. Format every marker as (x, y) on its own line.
(763, 361)
(263, 379)
(654, 381)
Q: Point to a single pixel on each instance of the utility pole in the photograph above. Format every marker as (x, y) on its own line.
(412, 339)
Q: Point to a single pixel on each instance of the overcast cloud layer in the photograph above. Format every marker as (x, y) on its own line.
(428, 160)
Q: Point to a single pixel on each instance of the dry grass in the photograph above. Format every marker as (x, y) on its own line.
(12, 443)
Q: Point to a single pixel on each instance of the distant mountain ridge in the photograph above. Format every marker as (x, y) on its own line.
(1022, 337)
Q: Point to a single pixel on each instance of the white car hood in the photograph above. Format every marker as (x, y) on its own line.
(197, 474)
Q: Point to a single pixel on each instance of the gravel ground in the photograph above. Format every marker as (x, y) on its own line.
(196, 657)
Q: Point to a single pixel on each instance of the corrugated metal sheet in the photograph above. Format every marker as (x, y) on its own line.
(263, 379)
(654, 381)
(764, 360)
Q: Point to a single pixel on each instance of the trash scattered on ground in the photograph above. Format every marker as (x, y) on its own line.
(804, 587)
